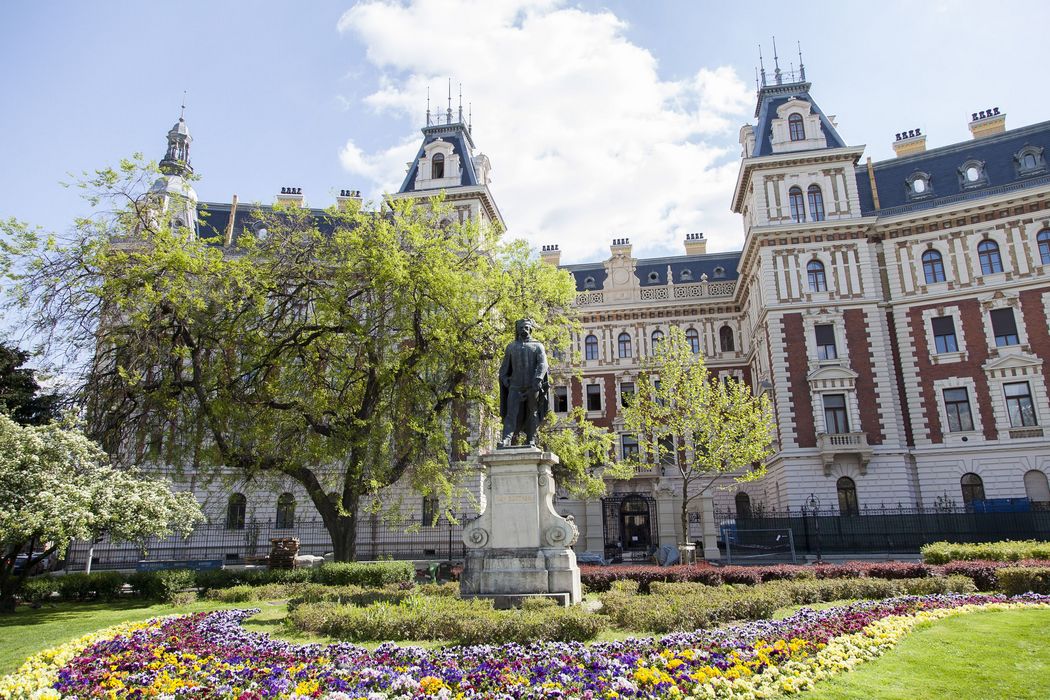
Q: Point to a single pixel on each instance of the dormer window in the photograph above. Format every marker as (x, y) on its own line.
(687, 275)
(720, 272)
(654, 277)
(1029, 161)
(972, 174)
(588, 283)
(796, 130)
(918, 185)
(437, 166)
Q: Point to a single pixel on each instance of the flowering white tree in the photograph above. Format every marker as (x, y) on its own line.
(56, 485)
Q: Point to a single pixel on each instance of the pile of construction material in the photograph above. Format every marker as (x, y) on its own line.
(283, 551)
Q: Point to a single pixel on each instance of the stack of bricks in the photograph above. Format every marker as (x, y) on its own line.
(283, 551)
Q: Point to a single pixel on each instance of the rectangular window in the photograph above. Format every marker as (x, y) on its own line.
(668, 451)
(1019, 404)
(629, 447)
(835, 417)
(430, 510)
(594, 397)
(944, 334)
(957, 408)
(561, 399)
(826, 349)
(626, 393)
(1004, 327)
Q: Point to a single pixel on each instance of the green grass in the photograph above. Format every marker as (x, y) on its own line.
(995, 655)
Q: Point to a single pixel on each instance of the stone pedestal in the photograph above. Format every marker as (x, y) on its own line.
(519, 546)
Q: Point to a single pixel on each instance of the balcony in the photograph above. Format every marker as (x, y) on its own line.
(831, 444)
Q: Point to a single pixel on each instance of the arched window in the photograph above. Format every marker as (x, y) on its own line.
(1036, 487)
(654, 277)
(796, 129)
(988, 254)
(743, 505)
(285, 511)
(933, 266)
(818, 281)
(235, 509)
(972, 488)
(590, 347)
(687, 275)
(725, 338)
(720, 272)
(1043, 239)
(589, 283)
(798, 204)
(656, 338)
(623, 345)
(693, 338)
(816, 203)
(847, 490)
(1029, 161)
(437, 166)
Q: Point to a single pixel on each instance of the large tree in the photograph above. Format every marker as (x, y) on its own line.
(341, 351)
(20, 393)
(57, 485)
(702, 428)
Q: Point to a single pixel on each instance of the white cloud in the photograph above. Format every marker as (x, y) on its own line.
(587, 141)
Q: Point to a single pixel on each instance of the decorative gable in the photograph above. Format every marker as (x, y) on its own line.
(832, 377)
(1016, 364)
(796, 127)
(439, 166)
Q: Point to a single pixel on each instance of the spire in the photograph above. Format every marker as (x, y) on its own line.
(801, 66)
(428, 105)
(763, 65)
(461, 103)
(776, 63)
(448, 118)
(176, 159)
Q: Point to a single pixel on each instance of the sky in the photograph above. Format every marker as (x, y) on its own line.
(601, 119)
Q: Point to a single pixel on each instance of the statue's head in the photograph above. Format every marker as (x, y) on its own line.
(523, 329)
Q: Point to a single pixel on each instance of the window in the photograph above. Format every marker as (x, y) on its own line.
(847, 491)
(988, 254)
(796, 130)
(235, 509)
(437, 166)
(656, 338)
(561, 399)
(972, 174)
(623, 344)
(798, 205)
(692, 336)
(654, 277)
(725, 338)
(589, 283)
(826, 349)
(743, 505)
(1004, 327)
(626, 393)
(816, 203)
(594, 397)
(629, 447)
(687, 275)
(957, 408)
(835, 418)
(720, 272)
(972, 488)
(1029, 162)
(1019, 404)
(1043, 239)
(933, 266)
(1036, 487)
(944, 334)
(918, 185)
(590, 347)
(285, 511)
(430, 510)
(668, 451)
(818, 282)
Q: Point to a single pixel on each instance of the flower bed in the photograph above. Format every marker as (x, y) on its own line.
(212, 656)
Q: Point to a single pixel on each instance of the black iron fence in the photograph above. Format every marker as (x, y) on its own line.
(899, 529)
(376, 539)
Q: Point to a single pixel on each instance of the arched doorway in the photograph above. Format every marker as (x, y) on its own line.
(630, 525)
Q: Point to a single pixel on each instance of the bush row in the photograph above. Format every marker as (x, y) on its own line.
(298, 593)
(446, 618)
(373, 574)
(686, 606)
(1008, 550)
(1015, 580)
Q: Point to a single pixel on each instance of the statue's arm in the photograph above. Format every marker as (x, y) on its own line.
(541, 367)
(504, 368)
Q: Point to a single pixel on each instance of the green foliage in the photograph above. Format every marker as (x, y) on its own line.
(350, 595)
(583, 450)
(101, 585)
(1025, 579)
(372, 574)
(20, 395)
(39, 589)
(161, 585)
(1008, 550)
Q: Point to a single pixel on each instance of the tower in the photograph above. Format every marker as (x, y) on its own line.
(172, 191)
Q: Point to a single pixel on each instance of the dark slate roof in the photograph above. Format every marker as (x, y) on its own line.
(213, 218)
(770, 99)
(942, 165)
(462, 144)
(697, 264)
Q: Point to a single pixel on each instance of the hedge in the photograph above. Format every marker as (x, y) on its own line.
(1008, 550)
(1015, 580)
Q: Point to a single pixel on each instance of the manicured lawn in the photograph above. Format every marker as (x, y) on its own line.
(1002, 654)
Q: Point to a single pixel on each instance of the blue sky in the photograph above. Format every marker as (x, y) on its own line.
(601, 119)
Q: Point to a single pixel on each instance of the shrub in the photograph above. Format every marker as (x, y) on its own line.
(233, 594)
(1015, 580)
(443, 590)
(628, 586)
(76, 586)
(107, 585)
(39, 589)
(1009, 550)
(600, 578)
(180, 598)
(538, 603)
(373, 574)
(161, 585)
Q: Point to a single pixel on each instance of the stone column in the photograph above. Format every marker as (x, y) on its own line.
(707, 519)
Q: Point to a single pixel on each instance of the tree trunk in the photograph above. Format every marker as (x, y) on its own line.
(343, 531)
(685, 511)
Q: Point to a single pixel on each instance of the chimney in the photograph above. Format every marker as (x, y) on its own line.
(291, 197)
(987, 122)
(550, 254)
(347, 199)
(695, 244)
(909, 142)
(621, 246)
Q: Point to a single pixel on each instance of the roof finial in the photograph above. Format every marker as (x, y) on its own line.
(461, 103)
(801, 66)
(428, 105)
(763, 65)
(470, 116)
(448, 115)
(182, 112)
(776, 63)
(756, 79)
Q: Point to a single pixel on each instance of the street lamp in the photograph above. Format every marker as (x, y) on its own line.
(814, 504)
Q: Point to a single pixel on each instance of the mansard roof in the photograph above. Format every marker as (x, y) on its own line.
(458, 134)
(698, 265)
(770, 98)
(942, 165)
(214, 218)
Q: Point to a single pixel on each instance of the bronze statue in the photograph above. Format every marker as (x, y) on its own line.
(523, 386)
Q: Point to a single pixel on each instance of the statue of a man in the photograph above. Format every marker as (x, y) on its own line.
(523, 385)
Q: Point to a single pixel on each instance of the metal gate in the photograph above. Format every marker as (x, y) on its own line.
(630, 526)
